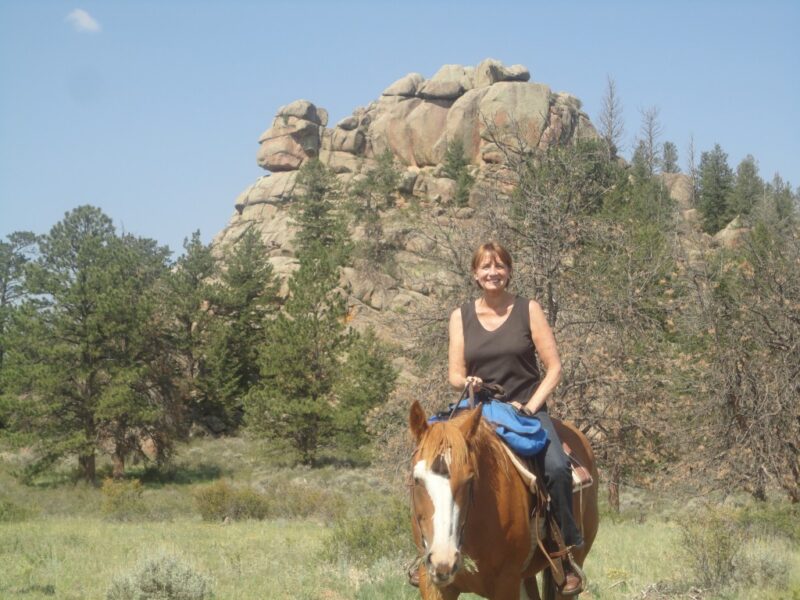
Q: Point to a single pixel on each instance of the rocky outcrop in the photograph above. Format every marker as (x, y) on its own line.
(293, 137)
(414, 119)
(732, 234)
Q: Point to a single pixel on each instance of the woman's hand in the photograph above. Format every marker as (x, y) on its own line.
(523, 408)
(477, 383)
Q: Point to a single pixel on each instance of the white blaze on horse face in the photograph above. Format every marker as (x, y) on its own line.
(444, 545)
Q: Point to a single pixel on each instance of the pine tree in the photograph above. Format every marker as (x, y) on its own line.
(748, 188)
(669, 158)
(368, 197)
(240, 305)
(716, 184)
(188, 293)
(313, 210)
(87, 348)
(783, 203)
(14, 255)
(306, 392)
(641, 168)
(456, 167)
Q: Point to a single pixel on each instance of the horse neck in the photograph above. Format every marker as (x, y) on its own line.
(495, 471)
(499, 514)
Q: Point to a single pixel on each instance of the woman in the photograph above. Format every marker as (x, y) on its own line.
(495, 339)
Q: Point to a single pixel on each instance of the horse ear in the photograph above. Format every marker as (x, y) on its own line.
(470, 426)
(417, 421)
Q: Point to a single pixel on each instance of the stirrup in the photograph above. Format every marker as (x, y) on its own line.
(578, 572)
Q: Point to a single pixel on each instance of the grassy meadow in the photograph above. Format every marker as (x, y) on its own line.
(335, 533)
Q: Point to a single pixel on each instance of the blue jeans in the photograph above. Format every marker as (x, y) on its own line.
(558, 480)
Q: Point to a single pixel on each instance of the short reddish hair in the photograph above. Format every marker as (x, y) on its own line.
(492, 249)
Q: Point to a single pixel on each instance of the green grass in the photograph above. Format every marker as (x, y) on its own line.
(57, 542)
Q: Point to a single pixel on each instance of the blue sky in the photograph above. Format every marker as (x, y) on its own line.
(151, 109)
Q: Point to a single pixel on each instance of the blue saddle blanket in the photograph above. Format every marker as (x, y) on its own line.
(523, 434)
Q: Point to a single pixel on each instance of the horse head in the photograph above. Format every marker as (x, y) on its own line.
(443, 471)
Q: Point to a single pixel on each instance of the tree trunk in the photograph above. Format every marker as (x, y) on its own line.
(86, 464)
(118, 468)
(613, 488)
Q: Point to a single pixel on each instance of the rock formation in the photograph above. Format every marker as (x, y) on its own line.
(415, 119)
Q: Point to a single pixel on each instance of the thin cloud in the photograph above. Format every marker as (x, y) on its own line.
(83, 22)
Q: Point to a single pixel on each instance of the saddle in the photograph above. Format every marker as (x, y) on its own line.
(545, 532)
(581, 478)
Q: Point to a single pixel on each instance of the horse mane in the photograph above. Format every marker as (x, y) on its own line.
(445, 438)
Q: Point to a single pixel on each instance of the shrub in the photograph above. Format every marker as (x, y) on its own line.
(9, 511)
(710, 541)
(293, 499)
(122, 500)
(384, 531)
(762, 565)
(163, 577)
(221, 500)
(773, 518)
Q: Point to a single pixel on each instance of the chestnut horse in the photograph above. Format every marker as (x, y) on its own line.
(471, 511)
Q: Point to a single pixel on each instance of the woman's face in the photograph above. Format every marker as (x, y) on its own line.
(492, 274)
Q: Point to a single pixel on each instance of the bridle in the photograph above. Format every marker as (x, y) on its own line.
(462, 517)
(469, 391)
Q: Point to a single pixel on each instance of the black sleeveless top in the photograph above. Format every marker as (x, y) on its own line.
(505, 356)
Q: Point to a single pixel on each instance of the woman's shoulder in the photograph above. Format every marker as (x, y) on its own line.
(532, 304)
(530, 308)
(526, 302)
(535, 312)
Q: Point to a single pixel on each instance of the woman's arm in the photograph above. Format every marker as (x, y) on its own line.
(457, 366)
(545, 344)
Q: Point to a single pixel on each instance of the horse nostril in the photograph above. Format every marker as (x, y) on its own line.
(428, 559)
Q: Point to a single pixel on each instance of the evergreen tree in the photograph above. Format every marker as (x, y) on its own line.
(748, 188)
(639, 162)
(293, 400)
(313, 210)
(86, 349)
(716, 184)
(188, 293)
(669, 158)
(14, 254)
(141, 399)
(310, 392)
(782, 201)
(247, 295)
(456, 167)
(369, 196)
